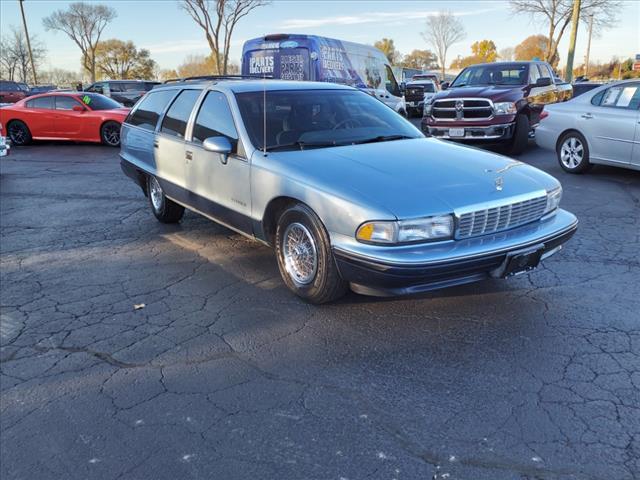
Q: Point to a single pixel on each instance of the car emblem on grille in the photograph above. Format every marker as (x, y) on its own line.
(459, 105)
(499, 183)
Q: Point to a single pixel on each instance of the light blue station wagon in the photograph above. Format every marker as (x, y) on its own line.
(349, 193)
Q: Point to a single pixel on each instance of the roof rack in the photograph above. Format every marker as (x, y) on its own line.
(218, 77)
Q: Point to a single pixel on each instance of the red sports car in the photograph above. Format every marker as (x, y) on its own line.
(79, 116)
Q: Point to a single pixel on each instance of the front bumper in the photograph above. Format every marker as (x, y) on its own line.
(499, 132)
(400, 270)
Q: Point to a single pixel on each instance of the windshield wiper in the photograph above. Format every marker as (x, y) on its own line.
(382, 138)
(301, 145)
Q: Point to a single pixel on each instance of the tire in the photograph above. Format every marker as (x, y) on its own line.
(165, 210)
(19, 133)
(520, 139)
(573, 153)
(110, 133)
(318, 281)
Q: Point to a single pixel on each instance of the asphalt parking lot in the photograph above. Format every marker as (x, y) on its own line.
(224, 374)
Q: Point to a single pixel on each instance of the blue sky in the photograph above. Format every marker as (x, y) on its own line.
(171, 35)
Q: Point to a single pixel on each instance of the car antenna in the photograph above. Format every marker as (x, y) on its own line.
(264, 114)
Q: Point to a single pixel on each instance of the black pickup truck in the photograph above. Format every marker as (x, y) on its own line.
(495, 103)
(416, 92)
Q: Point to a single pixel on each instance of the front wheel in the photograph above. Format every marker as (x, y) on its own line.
(520, 138)
(110, 134)
(305, 260)
(573, 153)
(19, 133)
(165, 210)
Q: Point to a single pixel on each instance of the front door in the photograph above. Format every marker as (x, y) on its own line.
(221, 186)
(67, 122)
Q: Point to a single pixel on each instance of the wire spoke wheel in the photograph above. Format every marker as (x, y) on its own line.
(155, 192)
(300, 254)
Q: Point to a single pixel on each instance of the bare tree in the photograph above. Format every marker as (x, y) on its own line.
(83, 23)
(218, 18)
(14, 56)
(557, 14)
(443, 30)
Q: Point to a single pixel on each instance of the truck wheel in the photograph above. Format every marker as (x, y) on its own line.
(165, 210)
(573, 153)
(19, 133)
(304, 256)
(520, 138)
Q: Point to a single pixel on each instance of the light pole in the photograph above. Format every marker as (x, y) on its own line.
(26, 33)
(586, 61)
(575, 18)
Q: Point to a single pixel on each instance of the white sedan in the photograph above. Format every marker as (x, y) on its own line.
(601, 126)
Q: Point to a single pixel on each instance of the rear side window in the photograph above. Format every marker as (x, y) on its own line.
(175, 121)
(620, 96)
(214, 119)
(65, 103)
(150, 108)
(41, 102)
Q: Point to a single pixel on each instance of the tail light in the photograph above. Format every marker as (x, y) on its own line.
(544, 114)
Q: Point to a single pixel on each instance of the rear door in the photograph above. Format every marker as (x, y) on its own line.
(289, 62)
(222, 185)
(609, 123)
(171, 157)
(67, 123)
(139, 144)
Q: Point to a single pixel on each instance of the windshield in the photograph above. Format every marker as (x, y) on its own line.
(494, 74)
(298, 119)
(95, 101)
(429, 88)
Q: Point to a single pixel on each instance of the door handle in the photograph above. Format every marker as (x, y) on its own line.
(155, 144)
(188, 155)
(586, 115)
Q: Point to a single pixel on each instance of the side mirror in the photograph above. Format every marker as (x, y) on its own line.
(444, 85)
(543, 82)
(78, 108)
(220, 145)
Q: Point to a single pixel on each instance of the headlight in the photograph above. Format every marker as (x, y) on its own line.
(553, 199)
(504, 108)
(407, 231)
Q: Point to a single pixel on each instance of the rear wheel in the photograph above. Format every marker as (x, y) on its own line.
(304, 255)
(165, 210)
(19, 133)
(110, 134)
(573, 153)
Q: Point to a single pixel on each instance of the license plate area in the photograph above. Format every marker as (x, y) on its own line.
(456, 132)
(519, 262)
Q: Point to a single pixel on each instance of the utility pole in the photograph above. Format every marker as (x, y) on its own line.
(586, 61)
(26, 34)
(575, 18)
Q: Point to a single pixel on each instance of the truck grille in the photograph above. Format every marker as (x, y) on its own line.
(502, 217)
(462, 109)
(414, 93)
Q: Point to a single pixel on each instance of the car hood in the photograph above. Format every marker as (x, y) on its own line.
(494, 92)
(414, 178)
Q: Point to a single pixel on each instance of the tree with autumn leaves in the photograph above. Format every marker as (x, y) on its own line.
(483, 51)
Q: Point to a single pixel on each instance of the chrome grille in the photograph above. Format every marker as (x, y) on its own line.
(462, 109)
(501, 217)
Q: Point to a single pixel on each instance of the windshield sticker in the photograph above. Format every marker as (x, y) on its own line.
(86, 99)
